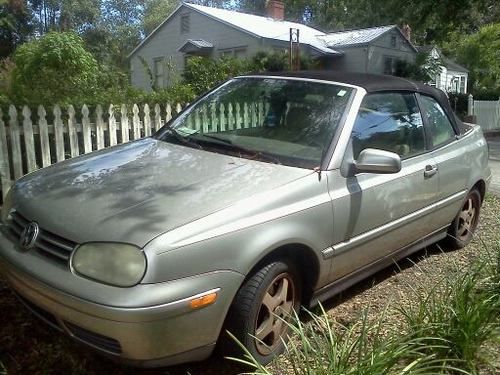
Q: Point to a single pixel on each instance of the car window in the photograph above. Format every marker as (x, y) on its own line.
(440, 127)
(391, 122)
(291, 122)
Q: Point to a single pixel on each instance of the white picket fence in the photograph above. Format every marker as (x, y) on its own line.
(27, 144)
(487, 113)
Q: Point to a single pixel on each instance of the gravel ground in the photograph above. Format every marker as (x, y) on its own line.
(29, 346)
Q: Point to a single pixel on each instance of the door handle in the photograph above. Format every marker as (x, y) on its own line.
(430, 170)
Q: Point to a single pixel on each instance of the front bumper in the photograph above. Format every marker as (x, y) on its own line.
(148, 335)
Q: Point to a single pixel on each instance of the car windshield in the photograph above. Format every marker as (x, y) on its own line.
(283, 121)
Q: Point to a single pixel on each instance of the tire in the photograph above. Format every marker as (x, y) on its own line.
(464, 225)
(275, 287)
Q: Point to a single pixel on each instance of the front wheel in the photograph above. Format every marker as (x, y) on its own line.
(264, 301)
(465, 223)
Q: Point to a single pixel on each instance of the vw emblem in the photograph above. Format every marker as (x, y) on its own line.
(29, 235)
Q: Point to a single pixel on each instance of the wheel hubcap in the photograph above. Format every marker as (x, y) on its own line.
(466, 219)
(277, 304)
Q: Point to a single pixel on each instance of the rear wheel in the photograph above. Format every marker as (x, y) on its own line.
(465, 223)
(256, 317)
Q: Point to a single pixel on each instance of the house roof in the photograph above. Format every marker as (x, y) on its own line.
(452, 65)
(356, 37)
(258, 26)
(447, 62)
(265, 27)
(196, 45)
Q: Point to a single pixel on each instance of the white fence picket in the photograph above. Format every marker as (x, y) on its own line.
(4, 162)
(147, 121)
(136, 122)
(59, 133)
(15, 143)
(124, 124)
(29, 142)
(112, 126)
(43, 129)
(74, 149)
(157, 119)
(99, 127)
(487, 114)
(86, 130)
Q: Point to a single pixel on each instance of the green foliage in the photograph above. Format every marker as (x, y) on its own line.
(459, 103)
(480, 53)
(54, 69)
(155, 12)
(424, 69)
(202, 73)
(459, 313)
(15, 25)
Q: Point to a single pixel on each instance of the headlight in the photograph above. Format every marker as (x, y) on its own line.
(111, 263)
(7, 206)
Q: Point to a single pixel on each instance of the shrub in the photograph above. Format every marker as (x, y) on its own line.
(53, 69)
(202, 73)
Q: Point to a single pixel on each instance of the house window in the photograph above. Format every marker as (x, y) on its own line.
(393, 41)
(462, 84)
(240, 53)
(159, 72)
(390, 64)
(185, 23)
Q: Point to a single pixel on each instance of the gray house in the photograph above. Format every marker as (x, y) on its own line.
(195, 30)
(371, 50)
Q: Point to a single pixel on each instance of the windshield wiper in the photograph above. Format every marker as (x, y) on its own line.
(254, 154)
(184, 138)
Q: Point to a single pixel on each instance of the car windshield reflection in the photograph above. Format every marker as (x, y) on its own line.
(275, 120)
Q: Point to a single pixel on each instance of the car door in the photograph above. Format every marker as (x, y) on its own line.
(450, 159)
(376, 214)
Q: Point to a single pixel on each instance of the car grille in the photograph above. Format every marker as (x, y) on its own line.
(46, 243)
(101, 342)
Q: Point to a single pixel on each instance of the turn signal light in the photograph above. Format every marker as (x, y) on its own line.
(203, 301)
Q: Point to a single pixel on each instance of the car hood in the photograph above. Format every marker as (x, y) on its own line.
(134, 192)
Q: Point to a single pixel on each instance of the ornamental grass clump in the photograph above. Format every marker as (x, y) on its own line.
(462, 312)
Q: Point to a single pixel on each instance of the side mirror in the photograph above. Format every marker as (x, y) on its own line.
(372, 160)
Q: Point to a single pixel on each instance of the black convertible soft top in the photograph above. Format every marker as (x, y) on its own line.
(377, 83)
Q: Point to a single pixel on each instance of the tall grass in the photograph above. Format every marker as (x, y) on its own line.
(458, 313)
(444, 329)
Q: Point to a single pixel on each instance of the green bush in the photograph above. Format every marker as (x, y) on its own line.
(53, 69)
(202, 73)
(459, 103)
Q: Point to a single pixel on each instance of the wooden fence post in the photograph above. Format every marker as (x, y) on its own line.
(72, 133)
(124, 124)
(99, 127)
(86, 130)
(29, 142)
(157, 120)
(15, 142)
(112, 125)
(58, 134)
(136, 122)
(147, 121)
(5, 179)
(43, 129)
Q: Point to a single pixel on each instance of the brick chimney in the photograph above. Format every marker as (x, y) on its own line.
(406, 29)
(275, 10)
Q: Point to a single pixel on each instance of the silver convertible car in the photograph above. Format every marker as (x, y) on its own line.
(267, 194)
